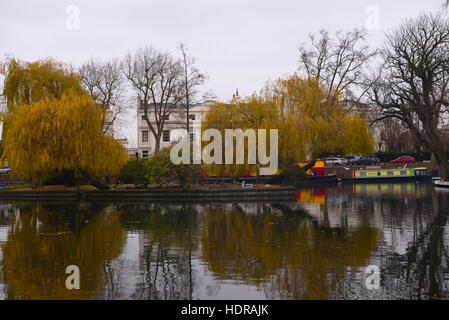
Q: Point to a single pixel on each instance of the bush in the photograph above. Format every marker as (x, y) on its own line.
(161, 171)
(134, 171)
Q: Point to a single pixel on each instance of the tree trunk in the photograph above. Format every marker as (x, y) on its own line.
(441, 161)
(188, 124)
(157, 145)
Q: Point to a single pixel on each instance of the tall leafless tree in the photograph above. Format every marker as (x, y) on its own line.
(156, 77)
(192, 78)
(412, 84)
(337, 63)
(105, 83)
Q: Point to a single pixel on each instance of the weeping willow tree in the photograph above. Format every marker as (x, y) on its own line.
(48, 137)
(51, 126)
(29, 82)
(310, 124)
(251, 113)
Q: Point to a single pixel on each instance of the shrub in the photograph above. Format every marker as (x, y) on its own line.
(161, 171)
(134, 171)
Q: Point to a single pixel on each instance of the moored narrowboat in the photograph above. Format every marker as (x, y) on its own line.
(317, 174)
(403, 174)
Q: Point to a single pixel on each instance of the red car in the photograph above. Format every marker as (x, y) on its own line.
(404, 159)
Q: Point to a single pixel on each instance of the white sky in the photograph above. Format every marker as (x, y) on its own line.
(239, 44)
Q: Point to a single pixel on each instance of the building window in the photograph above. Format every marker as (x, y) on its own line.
(166, 136)
(166, 117)
(191, 136)
(144, 153)
(144, 136)
(191, 116)
(144, 118)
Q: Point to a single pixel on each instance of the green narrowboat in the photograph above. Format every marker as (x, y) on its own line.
(390, 174)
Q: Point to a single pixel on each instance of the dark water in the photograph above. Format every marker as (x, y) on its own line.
(318, 247)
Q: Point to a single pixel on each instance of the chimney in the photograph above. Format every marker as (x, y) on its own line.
(139, 100)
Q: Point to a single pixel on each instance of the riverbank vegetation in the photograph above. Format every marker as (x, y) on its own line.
(158, 171)
(53, 128)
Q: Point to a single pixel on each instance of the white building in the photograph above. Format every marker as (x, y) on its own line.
(108, 127)
(174, 127)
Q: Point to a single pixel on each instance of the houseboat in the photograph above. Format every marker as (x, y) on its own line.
(317, 174)
(405, 174)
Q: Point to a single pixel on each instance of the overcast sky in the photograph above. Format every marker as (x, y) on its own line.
(239, 44)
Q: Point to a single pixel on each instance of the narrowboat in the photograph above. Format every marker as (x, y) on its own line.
(317, 174)
(405, 174)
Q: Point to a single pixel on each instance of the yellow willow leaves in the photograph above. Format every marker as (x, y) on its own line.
(52, 135)
(251, 113)
(311, 123)
(316, 124)
(29, 82)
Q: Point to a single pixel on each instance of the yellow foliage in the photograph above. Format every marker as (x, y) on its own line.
(250, 113)
(53, 134)
(310, 124)
(29, 82)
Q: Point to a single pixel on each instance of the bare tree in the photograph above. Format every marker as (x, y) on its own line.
(191, 80)
(105, 83)
(156, 77)
(412, 84)
(337, 63)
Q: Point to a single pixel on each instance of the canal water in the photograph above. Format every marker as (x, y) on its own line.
(364, 241)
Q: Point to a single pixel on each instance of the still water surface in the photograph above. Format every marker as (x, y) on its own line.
(317, 247)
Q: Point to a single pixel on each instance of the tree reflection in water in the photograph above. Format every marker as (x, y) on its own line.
(283, 251)
(44, 239)
(314, 248)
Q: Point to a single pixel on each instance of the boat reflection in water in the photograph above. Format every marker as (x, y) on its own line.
(317, 247)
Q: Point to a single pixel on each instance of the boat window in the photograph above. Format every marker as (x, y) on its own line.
(378, 173)
(420, 172)
(403, 173)
(390, 173)
(363, 174)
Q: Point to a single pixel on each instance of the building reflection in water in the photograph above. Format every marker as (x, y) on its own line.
(316, 247)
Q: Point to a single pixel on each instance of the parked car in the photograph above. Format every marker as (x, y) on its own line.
(5, 170)
(364, 160)
(404, 159)
(334, 161)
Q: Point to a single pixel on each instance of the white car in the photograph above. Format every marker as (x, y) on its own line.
(334, 161)
(5, 170)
